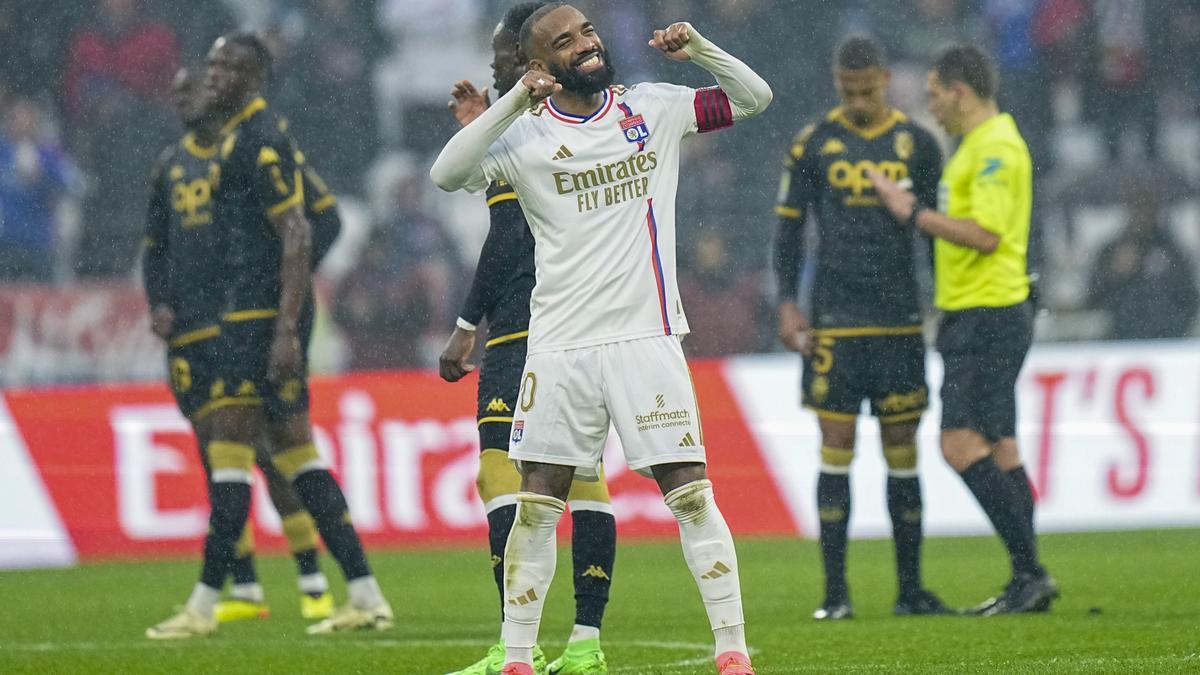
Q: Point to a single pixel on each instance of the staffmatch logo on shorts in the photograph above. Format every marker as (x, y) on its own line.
(518, 431)
(662, 419)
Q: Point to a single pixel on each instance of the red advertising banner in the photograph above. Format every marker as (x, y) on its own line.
(1110, 435)
(122, 468)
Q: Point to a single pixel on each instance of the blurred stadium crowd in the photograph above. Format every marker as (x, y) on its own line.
(1105, 91)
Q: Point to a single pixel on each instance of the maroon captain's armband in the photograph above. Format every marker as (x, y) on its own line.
(712, 109)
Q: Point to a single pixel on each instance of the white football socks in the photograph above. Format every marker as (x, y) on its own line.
(708, 550)
(529, 559)
(203, 600)
(313, 584)
(580, 633)
(252, 592)
(364, 593)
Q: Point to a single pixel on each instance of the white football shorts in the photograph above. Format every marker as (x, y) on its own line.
(643, 387)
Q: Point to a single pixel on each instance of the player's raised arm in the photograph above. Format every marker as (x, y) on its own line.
(458, 165)
(748, 93)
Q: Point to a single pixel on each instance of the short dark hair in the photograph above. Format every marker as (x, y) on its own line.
(859, 52)
(531, 21)
(257, 46)
(969, 65)
(516, 16)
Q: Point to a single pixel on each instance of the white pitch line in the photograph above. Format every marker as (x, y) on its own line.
(317, 642)
(51, 647)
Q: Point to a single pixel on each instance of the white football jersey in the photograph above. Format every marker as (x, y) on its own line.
(599, 195)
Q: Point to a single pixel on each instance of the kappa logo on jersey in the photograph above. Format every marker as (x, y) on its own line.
(904, 145)
(498, 405)
(833, 146)
(563, 153)
(518, 431)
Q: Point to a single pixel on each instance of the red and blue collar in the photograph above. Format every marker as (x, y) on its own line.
(600, 112)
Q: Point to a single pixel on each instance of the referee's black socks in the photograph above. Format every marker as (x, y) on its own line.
(1000, 500)
(1024, 491)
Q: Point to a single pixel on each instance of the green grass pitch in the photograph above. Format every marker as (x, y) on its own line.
(1131, 603)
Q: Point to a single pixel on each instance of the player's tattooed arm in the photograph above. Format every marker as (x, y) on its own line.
(748, 93)
(295, 236)
(458, 165)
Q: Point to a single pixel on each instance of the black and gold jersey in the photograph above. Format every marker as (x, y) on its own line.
(865, 271)
(505, 277)
(256, 177)
(320, 204)
(183, 245)
(320, 207)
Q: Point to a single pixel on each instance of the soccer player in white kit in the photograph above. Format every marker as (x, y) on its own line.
(596, 168)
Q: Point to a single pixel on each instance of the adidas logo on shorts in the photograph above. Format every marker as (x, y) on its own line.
(687, 441)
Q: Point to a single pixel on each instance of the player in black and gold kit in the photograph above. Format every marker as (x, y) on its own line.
(257, 187)
(864, 341)
(504, 280)
(182, 285)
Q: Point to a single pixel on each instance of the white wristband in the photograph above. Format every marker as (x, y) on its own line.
(465, 325)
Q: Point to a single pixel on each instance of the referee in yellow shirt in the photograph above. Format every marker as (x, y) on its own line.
(981, 231)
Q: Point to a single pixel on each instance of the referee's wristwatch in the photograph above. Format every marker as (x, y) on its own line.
(918, 208)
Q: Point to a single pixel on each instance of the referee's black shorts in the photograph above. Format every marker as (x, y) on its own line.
(983, 349)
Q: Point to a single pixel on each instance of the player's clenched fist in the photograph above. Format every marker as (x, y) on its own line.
(672, 40)
(540, 85)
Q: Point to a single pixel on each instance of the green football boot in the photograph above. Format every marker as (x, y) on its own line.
(493, 662)
(583, 657)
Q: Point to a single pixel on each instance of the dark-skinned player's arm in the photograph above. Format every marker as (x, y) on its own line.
(155, 255)
(501, 248)
(295, 280)
(797, 189)
(458, 165)
(748, 93)
(990, 199)
(272, 166)
(277, 183)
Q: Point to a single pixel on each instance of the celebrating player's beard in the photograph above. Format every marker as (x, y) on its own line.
(584, 83)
